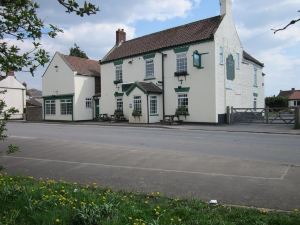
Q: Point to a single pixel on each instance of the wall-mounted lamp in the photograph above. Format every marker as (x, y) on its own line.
(56, 68)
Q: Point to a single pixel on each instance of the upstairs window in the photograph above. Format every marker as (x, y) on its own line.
(50, 108)
(255, 77)
(119, 73)
(66, 107)
(137, 104)
(149, 68)
(88, 103)
(181, 62)
(221, 55)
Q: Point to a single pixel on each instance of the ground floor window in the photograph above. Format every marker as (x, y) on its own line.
(183, 100)
(296, 103)
(153, 105)
(120, 104)
(66, 107)
(137, 104)
(88, 103)
(50, 108)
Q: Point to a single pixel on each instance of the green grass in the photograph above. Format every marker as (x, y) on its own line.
(28, 201)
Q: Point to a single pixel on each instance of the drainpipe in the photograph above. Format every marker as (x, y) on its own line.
(148, 121)
(163, 80)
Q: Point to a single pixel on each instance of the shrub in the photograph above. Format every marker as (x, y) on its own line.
(276, 102)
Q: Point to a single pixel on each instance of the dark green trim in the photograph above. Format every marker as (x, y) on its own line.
(181, 49)
(118, 82)
(125, 87)
(118, 94)
(132, 88)
(255, 94)
(149, 56)
(118, 62)
(54, 97)
(152, 78)
(160, 50)
(182, 89)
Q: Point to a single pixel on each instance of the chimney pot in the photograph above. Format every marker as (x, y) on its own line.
(293, 89)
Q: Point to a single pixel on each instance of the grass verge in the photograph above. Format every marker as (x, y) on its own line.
(25, 201)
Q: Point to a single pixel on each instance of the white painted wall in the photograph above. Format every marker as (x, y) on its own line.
(15, 96)
(237, 93)
(85, 88)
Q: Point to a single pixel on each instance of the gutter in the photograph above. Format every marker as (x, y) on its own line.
(163, 81)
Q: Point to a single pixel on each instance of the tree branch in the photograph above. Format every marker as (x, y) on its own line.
(284, 28)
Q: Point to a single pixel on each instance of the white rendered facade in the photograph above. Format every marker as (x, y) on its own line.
(14, 96)
(67, 95)
(207, 89)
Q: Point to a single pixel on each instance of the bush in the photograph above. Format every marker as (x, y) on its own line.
(277, 102)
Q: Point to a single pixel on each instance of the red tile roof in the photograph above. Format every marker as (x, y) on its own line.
(87, 67)
(291, 94)
(187, 34)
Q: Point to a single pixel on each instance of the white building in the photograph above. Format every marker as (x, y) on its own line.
(14, 96)
(197, 70)
(71, 89)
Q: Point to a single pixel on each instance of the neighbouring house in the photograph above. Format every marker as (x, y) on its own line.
(293, 97)
(195, 70)
(71, 89)
(15, 94)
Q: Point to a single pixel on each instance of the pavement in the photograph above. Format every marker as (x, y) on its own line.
(250, 169)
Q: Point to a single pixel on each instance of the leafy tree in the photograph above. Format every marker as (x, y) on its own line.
(5, 114)
(76, 51)
(276, 102)
(20, 22)
(289, 24)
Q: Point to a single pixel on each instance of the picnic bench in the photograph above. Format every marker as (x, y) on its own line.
(170, 119)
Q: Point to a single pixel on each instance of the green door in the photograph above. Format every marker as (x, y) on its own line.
(97, 107)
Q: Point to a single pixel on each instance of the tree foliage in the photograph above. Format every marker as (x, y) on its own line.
(76, 51)
(20, 22)
(276, 102)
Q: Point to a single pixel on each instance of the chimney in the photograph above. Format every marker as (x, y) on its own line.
(226, 6)
(120, 36)
(10, 73)
(293, 89)
(24, 84)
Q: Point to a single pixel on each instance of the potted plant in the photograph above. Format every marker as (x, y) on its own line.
(182, 111)
(136, 113)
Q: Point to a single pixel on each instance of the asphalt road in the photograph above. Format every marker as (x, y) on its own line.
(261, 170)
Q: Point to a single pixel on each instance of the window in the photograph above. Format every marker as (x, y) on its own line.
(50, 107)
(119, 73)
(66, 107)
(296, 103)
(120, 104)
(137, 104)
(153, 105)
(197, 59)
(255, 77)
(221, 55)
(238, 61)
(88, 103)
(183, 100)
(149, 68)
(181, 62)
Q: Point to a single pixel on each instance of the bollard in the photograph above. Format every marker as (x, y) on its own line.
(297, 118)
(228, 115)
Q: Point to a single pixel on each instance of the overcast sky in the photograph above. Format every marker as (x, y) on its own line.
(254, 20)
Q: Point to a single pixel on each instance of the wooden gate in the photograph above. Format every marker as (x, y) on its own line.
(263, 115)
